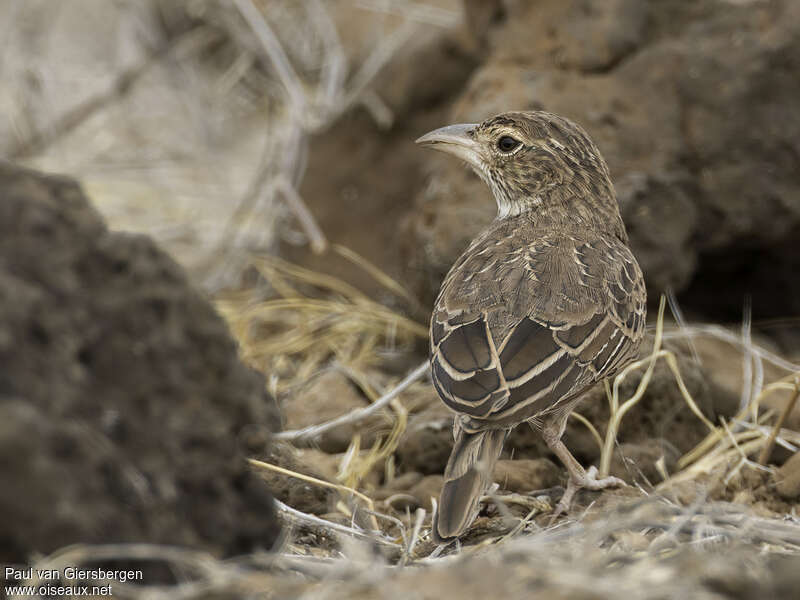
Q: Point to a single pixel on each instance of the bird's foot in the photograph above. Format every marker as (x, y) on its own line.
(585, 479)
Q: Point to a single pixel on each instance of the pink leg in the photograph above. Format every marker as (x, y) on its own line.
(578, 477)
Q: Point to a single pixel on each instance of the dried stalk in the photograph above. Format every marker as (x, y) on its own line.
(764, 457)
(313, 431)
(320, 482)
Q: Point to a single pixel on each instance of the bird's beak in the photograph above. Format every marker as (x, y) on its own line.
(454, 139)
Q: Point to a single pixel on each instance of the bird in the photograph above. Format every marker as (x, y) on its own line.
(544, 303)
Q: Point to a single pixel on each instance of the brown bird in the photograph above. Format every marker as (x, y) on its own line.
(543, 304)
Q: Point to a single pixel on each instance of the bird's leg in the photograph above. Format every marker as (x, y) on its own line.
(578, 476)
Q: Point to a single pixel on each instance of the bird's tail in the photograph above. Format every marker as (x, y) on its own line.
(467, 476)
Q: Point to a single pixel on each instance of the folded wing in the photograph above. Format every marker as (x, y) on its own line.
(519, 327)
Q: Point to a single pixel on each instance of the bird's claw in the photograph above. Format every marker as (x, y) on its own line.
(588, 480)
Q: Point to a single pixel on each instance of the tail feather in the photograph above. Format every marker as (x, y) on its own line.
(467, 476)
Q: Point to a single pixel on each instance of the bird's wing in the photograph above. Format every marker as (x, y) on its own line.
(520, 326)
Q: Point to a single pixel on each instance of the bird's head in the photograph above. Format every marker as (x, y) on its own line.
(528, 159)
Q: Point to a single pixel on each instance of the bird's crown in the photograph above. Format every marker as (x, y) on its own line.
(530, 159)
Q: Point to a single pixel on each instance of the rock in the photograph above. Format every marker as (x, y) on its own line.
(687, 180)
(588, 36)
(411, 491)
(759, 489)
(326, 397)
(123, 400)
(526, 475)
(316, 461)
(787, 478)
(403, 482)
(427, 441)
(304, 496)
(425, 489)
(636, 461)
(480, 15)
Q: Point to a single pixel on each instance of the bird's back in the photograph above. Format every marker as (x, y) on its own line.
(530, 316)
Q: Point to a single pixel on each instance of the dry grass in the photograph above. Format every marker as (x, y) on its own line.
(311, 320)
(653, 549)
(212, 199)
(359, 324)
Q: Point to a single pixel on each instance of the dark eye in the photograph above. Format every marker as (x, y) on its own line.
(507, 143)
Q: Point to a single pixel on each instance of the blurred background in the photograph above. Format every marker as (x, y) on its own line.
(287, 127)
(267, 146)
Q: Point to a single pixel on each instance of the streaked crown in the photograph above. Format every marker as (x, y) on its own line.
(530, 159)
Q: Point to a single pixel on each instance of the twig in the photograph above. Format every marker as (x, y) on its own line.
(786, 438)
(276, 55)
(672, 363)
(257, 190)
(380, 112)
(334, 67)
(721, 333)
(189, 42)
(376, 61)
(320, 482)
(681, 321)
(357, 415)
(592, 429)
(747, 357)
(414, 11)
(418, 519)
(617, 411)
(300, 517)
(703, 447)
(375, 272)
(766, 452)
(298, 207)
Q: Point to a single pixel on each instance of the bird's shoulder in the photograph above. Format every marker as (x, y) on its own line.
(510, 272)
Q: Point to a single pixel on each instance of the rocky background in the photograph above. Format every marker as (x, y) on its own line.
(691, 103)
(243, 238)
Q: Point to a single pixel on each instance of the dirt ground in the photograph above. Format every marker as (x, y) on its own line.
(267, 337)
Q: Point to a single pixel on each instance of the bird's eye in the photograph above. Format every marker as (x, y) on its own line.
(507, 143)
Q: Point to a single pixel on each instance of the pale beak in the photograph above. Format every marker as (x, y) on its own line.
(456, 140)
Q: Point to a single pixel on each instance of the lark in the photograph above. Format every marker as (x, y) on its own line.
(545, 303)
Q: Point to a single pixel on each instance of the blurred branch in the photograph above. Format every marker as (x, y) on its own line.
(188, 43)
(327, 527)
(334, 67)
(357, 415)
(721, 333)
(376, 61)
(275, 53)
(295, 202)
(310, 111)
(414, 11)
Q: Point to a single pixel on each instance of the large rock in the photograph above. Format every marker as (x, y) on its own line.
(693, 106)
(122, 398)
